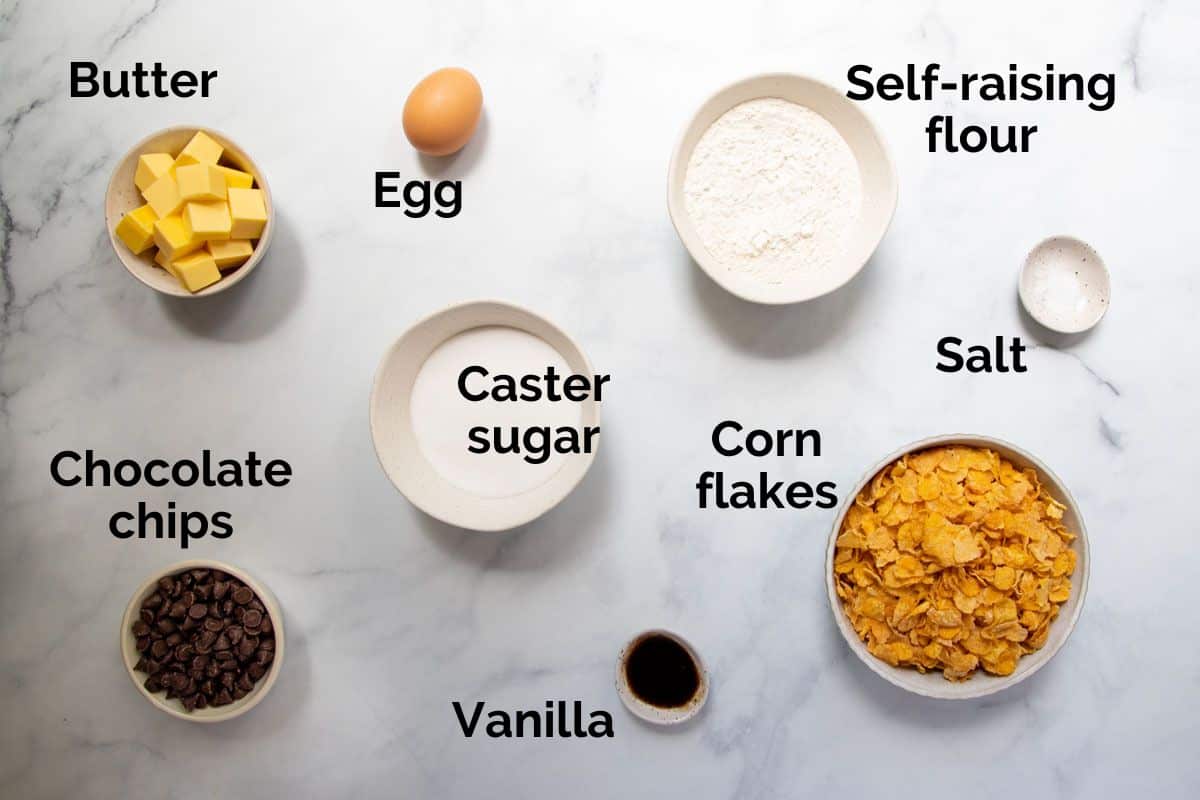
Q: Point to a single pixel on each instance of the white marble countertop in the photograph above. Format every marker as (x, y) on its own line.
(391, 616)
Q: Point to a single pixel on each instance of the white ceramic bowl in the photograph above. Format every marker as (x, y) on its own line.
(1064, 284)
(130, 655)
(122, 196)
(879, 185)
(932, 684)
(395, 440)
(653, 714)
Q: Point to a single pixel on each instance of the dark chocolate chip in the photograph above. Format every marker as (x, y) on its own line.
(223, 698)
(146, 616)
(256, 671)
(142, 643)
(174, 639)
(159, 649)
(252, 619)
(197, 611)
(242, 595)
(222, 643)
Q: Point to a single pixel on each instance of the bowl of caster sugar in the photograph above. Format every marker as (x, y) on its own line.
(781, 188)
(486, 415)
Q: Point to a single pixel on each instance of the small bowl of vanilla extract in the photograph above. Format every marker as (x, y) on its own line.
(661, 679)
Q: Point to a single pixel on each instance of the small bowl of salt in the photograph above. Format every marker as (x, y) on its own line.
(1064, 285)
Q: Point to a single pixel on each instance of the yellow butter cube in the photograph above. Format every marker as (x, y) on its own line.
(163, 196)
(249, 212)
(202, 149)
(235, 178)
(174, 238)
(208, 219)
(136, 229)
(200, 182)
(230, 253)
(197, 271)
(150, 168)
(164, 262)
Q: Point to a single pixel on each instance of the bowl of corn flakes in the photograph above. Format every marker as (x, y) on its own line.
(957, 567)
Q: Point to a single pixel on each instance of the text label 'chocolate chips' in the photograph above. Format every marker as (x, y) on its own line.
(204, 637)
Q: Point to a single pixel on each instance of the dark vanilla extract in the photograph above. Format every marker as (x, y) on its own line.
(661, 672)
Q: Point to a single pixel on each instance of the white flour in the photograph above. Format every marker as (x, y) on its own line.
(773, 189)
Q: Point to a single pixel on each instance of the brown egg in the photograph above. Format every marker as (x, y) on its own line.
(442, 111)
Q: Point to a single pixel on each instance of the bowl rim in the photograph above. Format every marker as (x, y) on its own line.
(127, 648)
(439, 513)
(677, 172)
(260, 247)
(1030, 307)
(989, 684)
(653, 714)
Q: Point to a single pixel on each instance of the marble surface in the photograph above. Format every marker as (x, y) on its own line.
(391, 616)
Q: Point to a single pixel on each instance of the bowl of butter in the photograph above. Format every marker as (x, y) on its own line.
(188, 212)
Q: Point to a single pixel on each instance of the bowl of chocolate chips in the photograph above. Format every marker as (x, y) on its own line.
(202, 640)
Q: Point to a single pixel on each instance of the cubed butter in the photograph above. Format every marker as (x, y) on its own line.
(249, 212)
(235, 178)
(163, 196)
(174, 239)
(208, 219)
(202, 149)
(200, 182)
(150, 168)
(136, 229)
(164, 262)
(230, 253)
(197, 270)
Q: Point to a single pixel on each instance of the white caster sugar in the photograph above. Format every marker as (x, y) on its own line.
(773, 189)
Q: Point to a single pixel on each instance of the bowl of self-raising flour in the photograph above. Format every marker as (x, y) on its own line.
(781, 188)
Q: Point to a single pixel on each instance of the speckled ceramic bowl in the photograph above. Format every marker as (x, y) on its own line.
(129, 652)
(880, 187)
(123, 196)
(932, 684)
(651, 713)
